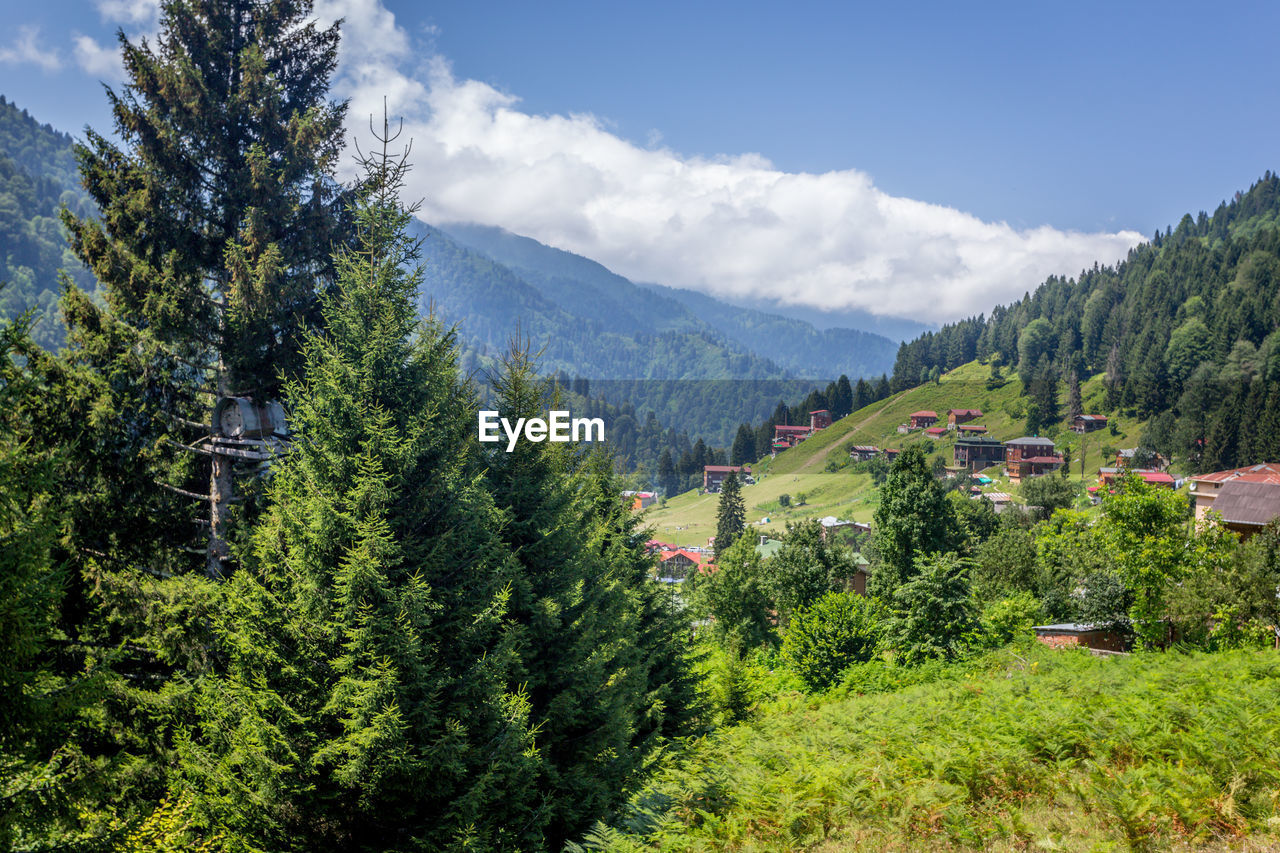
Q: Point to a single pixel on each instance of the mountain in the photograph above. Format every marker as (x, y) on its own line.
(38, 174)
(1185, 331)
(593, 292)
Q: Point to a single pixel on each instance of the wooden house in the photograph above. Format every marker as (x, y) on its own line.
(713, 476)
(921, 420)
(978, 452)
(955, 417)
(820, 419)
(1088, 423)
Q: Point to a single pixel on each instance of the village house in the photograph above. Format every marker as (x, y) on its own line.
(921, 420)
(1151, 460)
(1107, 477)
(1247, 507)
(715, 475)
(1030, 456)
(862, 452)
(999, 500)
(789, 436)
(820, 419)
(1077, 634)
(1206, 488)
(675, 565)
(955, 417)
(978, 452)
(936, 432)
(640, 500)
(971, 429)
(1088, 423)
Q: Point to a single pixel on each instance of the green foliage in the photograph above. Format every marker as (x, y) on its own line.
(1050, 493)
(734, 597)
(1005, 563)
(806, 567)
(731, 514)
(821, 640)
(784, 499)
(913, 519)
(1158, 751)
(1010, 618)
(933, 612)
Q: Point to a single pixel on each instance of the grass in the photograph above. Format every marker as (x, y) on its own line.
(689, 519)
(1033, 749)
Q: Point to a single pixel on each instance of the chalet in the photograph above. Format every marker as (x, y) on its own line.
(1029, 457)
(936, 432)
(971, 429)
(1205, 488)
(955, 417)
(820, 419)
(978, 452)
(789, 436)
(999, 500)
(1247, 507)
(1107, 477)
(1088, 423)
(890, 453)
(640, 500)
(1098, 637)
(921, 420)
(831, 524)
(1149, 459)
(862, 452)
(674, 566)
(714, 475)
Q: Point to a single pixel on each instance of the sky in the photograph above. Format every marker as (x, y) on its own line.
(926, 160)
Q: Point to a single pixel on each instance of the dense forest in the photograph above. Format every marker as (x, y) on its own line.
(1184, 330)
(38, 176)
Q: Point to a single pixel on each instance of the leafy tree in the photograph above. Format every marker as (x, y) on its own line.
(1069, 546)
(733, 595)
(933, 610)
(1005, 564)
(1009, 618)
(1050, 493)
(807, 567)
(367, 640)
(731, 514)
(1105, 601)
(825, 637)
(913, 519)
(217, 219)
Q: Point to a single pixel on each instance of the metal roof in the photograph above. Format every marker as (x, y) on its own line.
(1248, 503)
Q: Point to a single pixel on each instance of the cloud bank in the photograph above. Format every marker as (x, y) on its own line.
(730, 225)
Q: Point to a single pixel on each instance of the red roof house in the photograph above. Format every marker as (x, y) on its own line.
(922, 419)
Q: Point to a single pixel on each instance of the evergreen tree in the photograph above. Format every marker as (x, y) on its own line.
(667, 480)
(933, 611)
(913, 519)
(217, 221)
(366, 700)
(731, 515)
(744, 446)
(1075, 406)
(842, 399)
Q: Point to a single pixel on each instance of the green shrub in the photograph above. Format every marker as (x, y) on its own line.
(837, 630)
(1009, 618)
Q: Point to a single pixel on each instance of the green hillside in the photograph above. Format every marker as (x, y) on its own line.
(819, 468)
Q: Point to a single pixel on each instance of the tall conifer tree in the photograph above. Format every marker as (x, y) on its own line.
(731, 515)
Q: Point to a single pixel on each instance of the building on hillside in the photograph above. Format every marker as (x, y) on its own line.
(675, 565)
(789, 436)
(921, 420)
(767, 546)
(1029, 456)
(971, 429)
(1088, 423)
(936, 432)
(863, 452)
(831, 525)
(820, 419)
(999, 500)
(640, 500)
(1147, 459)
(1247, 507)
(978, 452)
(1099, 638)
(1107, 477)
(955, 417)
(715, 475)
(890, 453)
(1205, 488)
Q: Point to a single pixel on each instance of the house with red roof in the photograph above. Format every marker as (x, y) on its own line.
(955, 417)
(1088, 423)
(713, 476)
(789, 436)
(1107, 477)
(820, 419)
(971, 429)
(921, 420)
(1206, 488)
(936, 432)
(1030, 456)
(675, 565)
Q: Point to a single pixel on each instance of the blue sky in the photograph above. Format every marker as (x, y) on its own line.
(926, 160)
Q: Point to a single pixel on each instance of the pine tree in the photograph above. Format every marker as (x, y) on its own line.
(913, 519)
(744, 446)
(366, 700)
(731, 515)
(217, 221)
(667, 480)
(1075, 407)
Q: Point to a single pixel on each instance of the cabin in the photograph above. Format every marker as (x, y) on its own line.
(999, 500)
(936, 432)
(789, 436)
(863, 452)
(955, 417)
(1088, 423)
(674, 566)
(713, 476)
(1030, 456)
(820, 419)
(978, 452)
(921, 420)
(640, 500)
(890, 453)
(1206, 488)
(1096, 637)
(971, 429)
(1107, 477)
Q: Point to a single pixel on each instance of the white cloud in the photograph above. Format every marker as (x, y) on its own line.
(26, 50)
(99, 60)
(726, 225)
(130, 12)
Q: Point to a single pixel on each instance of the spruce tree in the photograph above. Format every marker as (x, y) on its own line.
(731, 515)
(367, 699)
(216, 225)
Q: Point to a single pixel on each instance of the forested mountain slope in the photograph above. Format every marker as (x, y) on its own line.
(1186, 331)
(38, 175)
